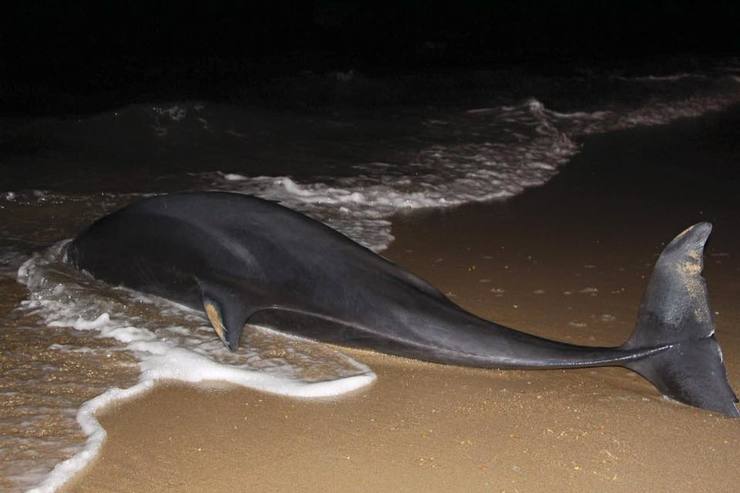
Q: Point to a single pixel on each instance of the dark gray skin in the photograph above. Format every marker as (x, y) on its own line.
(246, 259)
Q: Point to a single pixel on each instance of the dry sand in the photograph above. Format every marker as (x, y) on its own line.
(568, 261)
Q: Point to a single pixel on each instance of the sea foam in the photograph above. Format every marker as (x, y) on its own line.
(171, 342)
(491, 149)
(495, 152)
(517, 147)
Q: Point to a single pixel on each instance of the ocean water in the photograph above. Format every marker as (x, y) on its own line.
(349, 149)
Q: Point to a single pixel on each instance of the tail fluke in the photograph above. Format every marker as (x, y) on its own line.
(675, 312)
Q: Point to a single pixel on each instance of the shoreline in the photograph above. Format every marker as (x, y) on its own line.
(561, 261)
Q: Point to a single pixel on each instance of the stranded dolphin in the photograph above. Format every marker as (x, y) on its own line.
(240, 258)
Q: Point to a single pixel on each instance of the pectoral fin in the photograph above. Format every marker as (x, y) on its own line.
(227, 312)
(216, 319)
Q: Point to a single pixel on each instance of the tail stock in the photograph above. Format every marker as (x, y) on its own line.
(675, 312)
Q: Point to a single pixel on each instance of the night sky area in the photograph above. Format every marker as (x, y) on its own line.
(81, 56)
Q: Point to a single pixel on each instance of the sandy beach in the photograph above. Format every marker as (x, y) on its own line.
(568, 260)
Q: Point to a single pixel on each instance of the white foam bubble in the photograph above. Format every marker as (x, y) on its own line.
(172, 343)
(657, 111)
(507, 149)
(525, 150)
(164, 117)
(63, 471)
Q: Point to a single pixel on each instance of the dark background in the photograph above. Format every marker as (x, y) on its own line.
(79, 55)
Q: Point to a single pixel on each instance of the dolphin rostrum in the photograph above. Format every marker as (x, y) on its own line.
(240, 258)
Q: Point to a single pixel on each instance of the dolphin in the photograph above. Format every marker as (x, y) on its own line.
(240, 258)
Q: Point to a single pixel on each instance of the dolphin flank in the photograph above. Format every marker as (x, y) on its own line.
(239, 258)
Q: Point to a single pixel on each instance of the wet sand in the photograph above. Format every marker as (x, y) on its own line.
(569, 261)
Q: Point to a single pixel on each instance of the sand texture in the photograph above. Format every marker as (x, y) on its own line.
(570, 261)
